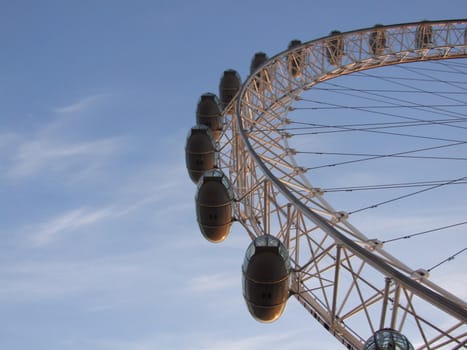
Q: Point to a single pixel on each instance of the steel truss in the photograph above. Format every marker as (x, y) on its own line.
(347, 282)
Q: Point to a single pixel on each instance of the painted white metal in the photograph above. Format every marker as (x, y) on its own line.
(343, 280)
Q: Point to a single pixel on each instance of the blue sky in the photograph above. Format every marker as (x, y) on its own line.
(99, 246)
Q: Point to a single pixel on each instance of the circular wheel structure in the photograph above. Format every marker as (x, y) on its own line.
(271, 149)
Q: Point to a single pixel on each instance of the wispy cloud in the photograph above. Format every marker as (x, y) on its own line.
(33, 156)
(80, 105)
(68, 222)
(47, 147)
(140, 192)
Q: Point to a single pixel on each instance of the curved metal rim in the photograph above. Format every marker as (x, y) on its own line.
(440, 301)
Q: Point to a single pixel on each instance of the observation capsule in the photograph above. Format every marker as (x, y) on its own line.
(377, 40)
(209, 113)
(214, 205)
(335, 49)
(387, 339)
(200, 152)
(229, 86)
(266, 271)
(262, 78)
(424, 36)
(258, 60)
(295, 60)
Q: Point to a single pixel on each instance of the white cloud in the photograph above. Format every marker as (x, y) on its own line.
(80, 105)
(160, 192)
(46, 147)
(49, 231)
(140, 192)
(33, 156)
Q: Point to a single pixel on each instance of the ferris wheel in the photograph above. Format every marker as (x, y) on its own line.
(349, 113)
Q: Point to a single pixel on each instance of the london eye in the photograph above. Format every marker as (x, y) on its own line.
(326, 155)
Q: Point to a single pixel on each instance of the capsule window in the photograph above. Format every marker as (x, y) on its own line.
(228, 186)
(261, 241)
(285, 255)
(273, 241)
(250, 251)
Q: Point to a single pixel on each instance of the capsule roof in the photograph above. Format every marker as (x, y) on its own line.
(208, 104)
(201, 129)
(267, 241)
(230, 78)
(387, 339)
(219, 176)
